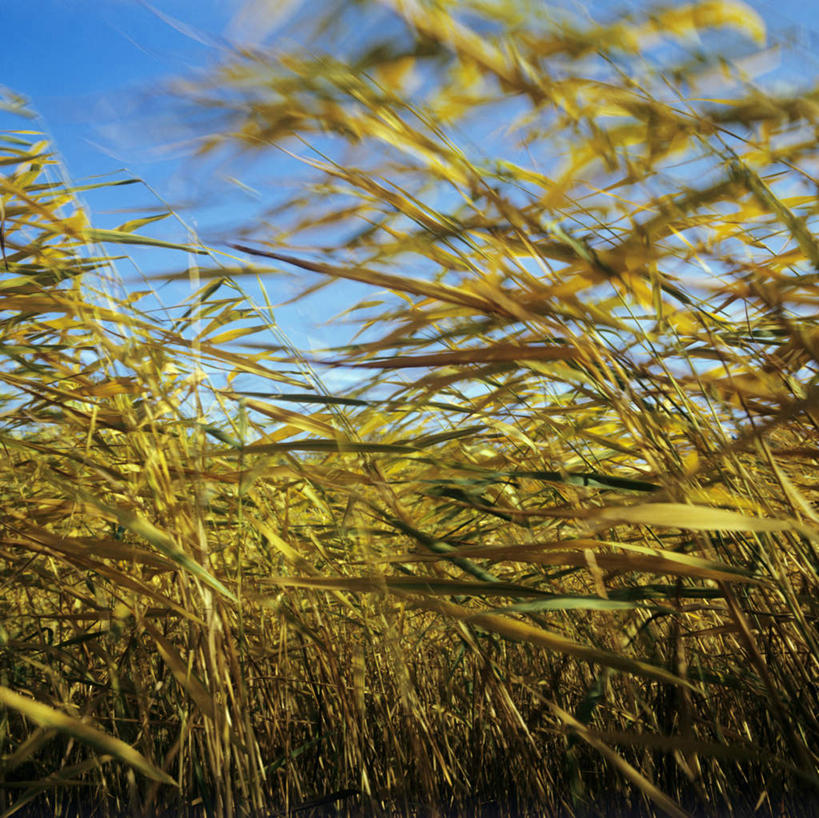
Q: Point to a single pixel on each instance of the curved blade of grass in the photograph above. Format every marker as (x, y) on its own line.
(325, 446)
(574, 603)
(430, 289)
(48, 717)
(696, 518)
(684, 744)
(78, 554)
(187, 680)
(589, 479)
(636, 558)
(162, 541)
(504, 626)
(499, 352)
(122, 237)
(142, 528)
(523, 632)
(648, 788)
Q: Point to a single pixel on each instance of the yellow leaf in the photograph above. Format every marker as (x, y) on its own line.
(711, 14)
(187, 680)
(48, 717)
(693, 518)
(394, 74)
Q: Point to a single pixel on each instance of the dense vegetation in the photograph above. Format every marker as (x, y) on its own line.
(553, 552)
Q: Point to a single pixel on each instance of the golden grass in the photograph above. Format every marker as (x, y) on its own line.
(555, 554)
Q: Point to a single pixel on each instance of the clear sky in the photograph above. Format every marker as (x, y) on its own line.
(88, 65)
(94, 70)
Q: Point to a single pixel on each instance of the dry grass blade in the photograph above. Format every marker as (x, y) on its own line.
(697, 518)
(159, 539)
(53, 719)
(182, 672)
(666, 804)
(520, 631)
(361, 565)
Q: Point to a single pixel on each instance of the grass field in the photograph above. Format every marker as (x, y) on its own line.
(552, 547)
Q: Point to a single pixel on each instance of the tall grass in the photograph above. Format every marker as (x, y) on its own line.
(554, 553)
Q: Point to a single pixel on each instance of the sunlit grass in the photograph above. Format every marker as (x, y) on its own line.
(554, 551)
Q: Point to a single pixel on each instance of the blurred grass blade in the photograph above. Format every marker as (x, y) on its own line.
(696, 518)
(97, 235)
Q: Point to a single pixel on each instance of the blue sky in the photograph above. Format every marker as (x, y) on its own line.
(95, 71)
(86, 65)
(79, 61)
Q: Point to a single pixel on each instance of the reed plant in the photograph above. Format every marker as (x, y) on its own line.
(548, 547)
